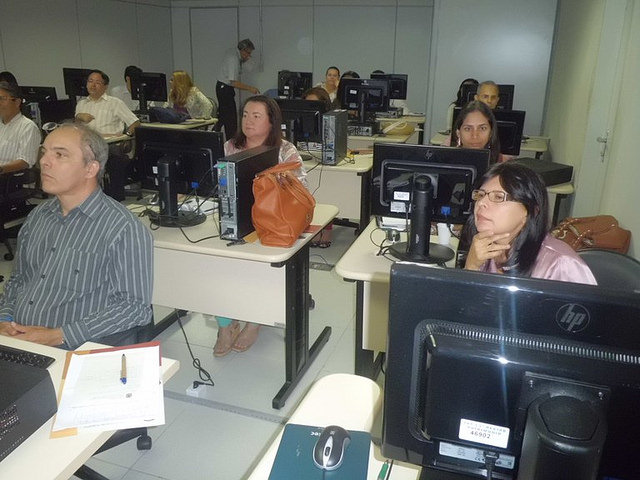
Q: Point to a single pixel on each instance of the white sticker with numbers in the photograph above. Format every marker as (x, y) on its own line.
(474, 455)
(485, 433)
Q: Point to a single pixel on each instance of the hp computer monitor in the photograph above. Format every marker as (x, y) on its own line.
(302, 119)
(178, 161)
(397, 84)
(149, 87)
(365, 96)
(38, 94)
(421, 184)
(75, 81)
(293, 84)
(510, 127)
(529, 378)
(506, 95)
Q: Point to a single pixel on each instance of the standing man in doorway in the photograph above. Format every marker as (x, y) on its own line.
(228, 80)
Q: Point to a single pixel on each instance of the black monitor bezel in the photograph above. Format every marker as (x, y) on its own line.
(401, 79)
(443, 157)
(512, 307)
(297, 109)
(33, 94)
(155, 87)
(75, 81)
(304, 81)
(364, 84)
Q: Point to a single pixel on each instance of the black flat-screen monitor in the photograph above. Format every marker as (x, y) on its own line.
(423, 183)
(302, 119)
(75, 81)
(178, 161)
(38, 94)
(529, 378)
(149, 87)
(397, 84)
(506, 95)
(453, 172)
(365, 96)
(56, 111)
(510, 127)
(293, 84)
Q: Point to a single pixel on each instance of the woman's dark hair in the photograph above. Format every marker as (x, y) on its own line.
(274, 139)
(322, 95)
(494, 141)
(459, 101)
(526, 187)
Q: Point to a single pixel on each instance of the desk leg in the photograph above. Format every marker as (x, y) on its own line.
(366, 364)
(298, 355)
(365, 200)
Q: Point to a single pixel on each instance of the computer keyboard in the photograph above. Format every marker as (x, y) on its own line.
(25, 357)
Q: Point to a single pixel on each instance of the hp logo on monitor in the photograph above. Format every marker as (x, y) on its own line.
(573, 317)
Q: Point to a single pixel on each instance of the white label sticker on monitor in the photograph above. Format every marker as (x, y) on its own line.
(154, 169)
(400, 195)
(398, 207)
(474, 455)
(353, 92)
(486, 433)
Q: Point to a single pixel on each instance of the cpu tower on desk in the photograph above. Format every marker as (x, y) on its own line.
(334, 137)
(235, 188)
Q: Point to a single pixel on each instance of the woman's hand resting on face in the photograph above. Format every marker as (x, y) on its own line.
(485, 246)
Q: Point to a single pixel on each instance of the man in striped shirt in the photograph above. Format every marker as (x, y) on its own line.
(109, 116)
(84, 266)
(19, 136)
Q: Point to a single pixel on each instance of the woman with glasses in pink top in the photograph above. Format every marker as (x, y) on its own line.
(508, 231)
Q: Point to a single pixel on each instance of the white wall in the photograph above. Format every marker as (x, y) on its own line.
(40, 37)
(507, 41)
(307, 35)
(621, 196)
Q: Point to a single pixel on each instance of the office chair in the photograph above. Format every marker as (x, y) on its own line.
(141, 334)
(613, 269)
(14, 205)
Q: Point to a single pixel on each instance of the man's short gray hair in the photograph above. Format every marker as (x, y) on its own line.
(94, 147)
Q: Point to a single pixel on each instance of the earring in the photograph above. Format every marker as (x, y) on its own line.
(459, 143)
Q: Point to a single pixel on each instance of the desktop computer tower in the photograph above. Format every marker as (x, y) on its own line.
(235, 188)
(27, 401)
(334, 136)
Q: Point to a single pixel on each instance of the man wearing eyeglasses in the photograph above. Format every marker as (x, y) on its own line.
(108, 116)
(19, 136)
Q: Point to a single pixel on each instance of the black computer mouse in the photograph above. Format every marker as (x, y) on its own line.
(328, 451)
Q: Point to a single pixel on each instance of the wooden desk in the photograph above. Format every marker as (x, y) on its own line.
(350, 401)
(346, 185)
(192, 124)
(251, 282)
(357, 142)
(43, 458)
(533, 146)
(371, 272)
(419, 120)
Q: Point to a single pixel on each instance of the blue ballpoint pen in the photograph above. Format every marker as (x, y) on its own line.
(123, 369)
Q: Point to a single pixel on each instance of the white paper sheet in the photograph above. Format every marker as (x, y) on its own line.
(93, 395)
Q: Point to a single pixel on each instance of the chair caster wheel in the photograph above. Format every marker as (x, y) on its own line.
(8, 257)
(144, 442)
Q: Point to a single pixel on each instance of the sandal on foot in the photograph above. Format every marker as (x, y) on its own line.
(247, 337)
(226, 338)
